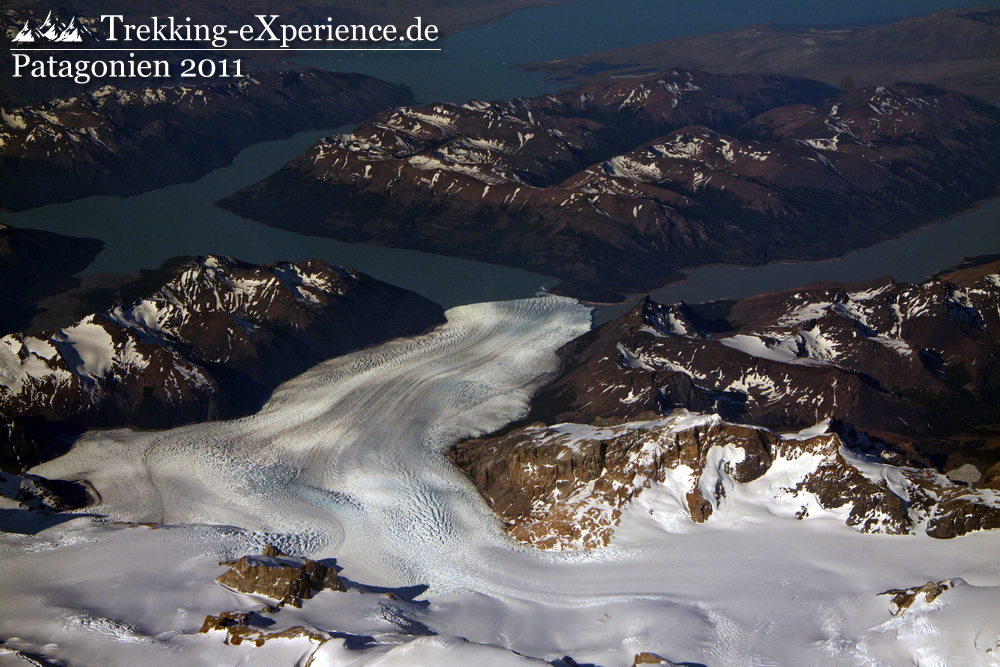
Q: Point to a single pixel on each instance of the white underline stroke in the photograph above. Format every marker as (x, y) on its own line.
(290, 50)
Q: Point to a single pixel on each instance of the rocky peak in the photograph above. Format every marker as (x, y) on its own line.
(198, 339)
(614, 187)
(676, 319)
(567, 486)
(903, 362)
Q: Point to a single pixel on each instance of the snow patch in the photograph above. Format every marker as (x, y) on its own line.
(86, 347)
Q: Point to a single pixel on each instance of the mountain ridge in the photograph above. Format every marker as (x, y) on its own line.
(204, 339)
(121, 142)
(615, 188)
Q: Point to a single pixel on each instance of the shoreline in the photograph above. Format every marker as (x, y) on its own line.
(602, 309)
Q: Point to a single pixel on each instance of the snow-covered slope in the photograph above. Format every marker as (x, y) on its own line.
(203, 339)
(913, 365)
(566, 486)
(346, 462)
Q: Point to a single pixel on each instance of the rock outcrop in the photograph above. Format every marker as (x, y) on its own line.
(646, 658)
(196, 340)
(615, 187)
(239, 628)
(288, 579)
(45, 495)
(567, 486)
(903, 598)
(273, 574)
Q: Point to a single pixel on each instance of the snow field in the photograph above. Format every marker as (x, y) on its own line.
(345, 462)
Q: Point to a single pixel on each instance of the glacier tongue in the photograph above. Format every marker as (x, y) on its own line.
(346, 461)
(346, 457)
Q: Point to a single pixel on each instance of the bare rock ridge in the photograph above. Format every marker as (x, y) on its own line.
(716, 404)
(241, 626)
(35, 264)
(645, 658)
(566, 486)
(615, 187)
(912, 364)
(198, 339)
(121, 142)
(903, 598)
(276, 575)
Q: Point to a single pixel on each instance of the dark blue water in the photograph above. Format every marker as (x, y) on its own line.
(909, 258)
(142, 231)
(477, 63)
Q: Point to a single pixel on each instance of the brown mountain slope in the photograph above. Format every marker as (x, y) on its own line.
(823, 402)
(615, 187)
(122, 142)
(195, 340)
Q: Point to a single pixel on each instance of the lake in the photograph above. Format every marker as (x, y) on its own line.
(144, 230)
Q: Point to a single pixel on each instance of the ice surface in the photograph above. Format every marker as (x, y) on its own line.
(345, 462)
(355, 441)
(786, 351)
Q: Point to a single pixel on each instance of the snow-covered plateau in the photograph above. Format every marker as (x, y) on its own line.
(346, 464)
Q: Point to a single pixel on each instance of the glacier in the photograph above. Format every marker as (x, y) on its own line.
(346, 462)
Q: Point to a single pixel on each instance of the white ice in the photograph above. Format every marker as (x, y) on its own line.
(756, 347)
(345, 461)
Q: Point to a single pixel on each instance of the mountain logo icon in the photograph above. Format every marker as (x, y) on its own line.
(52, 30)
